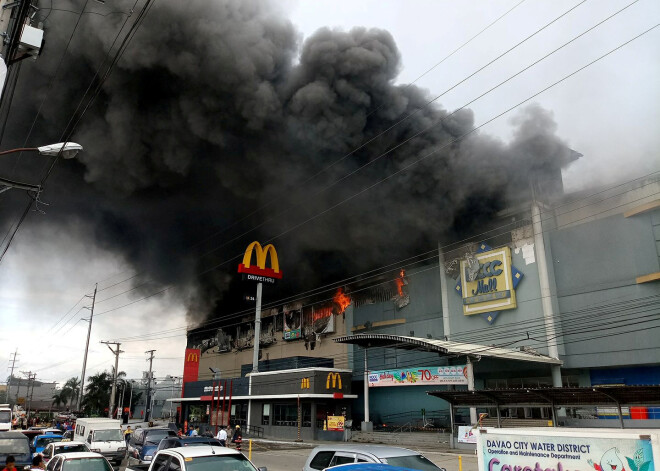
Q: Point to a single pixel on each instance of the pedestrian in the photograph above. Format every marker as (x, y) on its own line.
(38, 462)
(194, 432)
(237, 438)
(10, 464)
(222, 436)
(179, 433)
(127, 434)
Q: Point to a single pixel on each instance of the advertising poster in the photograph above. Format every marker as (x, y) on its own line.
(293, 321)
(562, 453)
(336, 423)
(467, 434)
(423, 376)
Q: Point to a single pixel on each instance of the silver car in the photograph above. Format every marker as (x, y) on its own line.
(327, 456)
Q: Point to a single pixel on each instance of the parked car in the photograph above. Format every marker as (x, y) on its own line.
(177, 442)
(40, 442)
(197, 458)
(79, 462)
(57, 448)
(17, 445)
(144, 442)
(328, 456)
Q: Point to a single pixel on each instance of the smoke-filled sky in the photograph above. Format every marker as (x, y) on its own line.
(218, 109)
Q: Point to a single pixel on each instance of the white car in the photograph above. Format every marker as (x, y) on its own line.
(197, 458)
(79, 462)
(57, 448)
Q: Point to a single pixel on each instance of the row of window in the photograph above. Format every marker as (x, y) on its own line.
(286, 415)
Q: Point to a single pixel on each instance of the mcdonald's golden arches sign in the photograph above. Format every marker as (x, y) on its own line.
(259, 272)
(334, 380)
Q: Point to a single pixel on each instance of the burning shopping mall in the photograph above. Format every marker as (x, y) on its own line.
(559, 293)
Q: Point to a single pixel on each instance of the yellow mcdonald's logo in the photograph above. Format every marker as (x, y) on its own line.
(192, 356)
(304, 383)
(336, 380)
(262, 254)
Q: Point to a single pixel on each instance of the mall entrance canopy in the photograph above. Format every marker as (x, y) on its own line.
(612, 396)
(443, 348)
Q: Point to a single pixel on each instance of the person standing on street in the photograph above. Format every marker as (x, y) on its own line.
(127, 434)
(38, 462)
(237, 438)
(10, 464)
(222, 436)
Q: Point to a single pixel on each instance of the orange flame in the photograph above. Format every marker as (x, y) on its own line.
(342, 300)
(400, 282)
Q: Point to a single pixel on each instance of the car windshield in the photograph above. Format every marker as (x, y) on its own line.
(14, 446)
(412, 462)
(86, 464)
(110, 435)
(42, 442)
(219, 463)
(5, 416)
(71, 448)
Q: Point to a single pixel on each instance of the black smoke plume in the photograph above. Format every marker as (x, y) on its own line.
(217, 109)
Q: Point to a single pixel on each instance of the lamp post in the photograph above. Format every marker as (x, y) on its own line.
(67, 150)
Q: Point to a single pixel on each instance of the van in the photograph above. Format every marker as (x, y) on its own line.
(102, 436)
(5, 418)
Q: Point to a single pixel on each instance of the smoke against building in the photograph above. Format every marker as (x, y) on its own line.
(218, 109)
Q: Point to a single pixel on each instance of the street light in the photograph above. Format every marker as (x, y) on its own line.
(67, 150)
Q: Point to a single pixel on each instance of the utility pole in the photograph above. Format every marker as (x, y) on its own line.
(11, 375)
(148, 403)
(89, 331)
(114, 377)
(28, 401)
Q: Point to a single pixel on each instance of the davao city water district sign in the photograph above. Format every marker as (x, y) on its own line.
(492, 287)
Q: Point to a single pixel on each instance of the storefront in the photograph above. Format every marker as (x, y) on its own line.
(305, 403)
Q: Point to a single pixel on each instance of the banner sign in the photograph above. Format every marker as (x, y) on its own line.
(501, 452)
(336, 423)
(423, 376)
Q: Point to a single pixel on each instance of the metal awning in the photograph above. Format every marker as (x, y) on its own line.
(555, 397)
(445, 347)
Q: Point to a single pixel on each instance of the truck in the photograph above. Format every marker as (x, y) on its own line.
(197, 458)
(5, 418)
(102, 436)
(568, 449)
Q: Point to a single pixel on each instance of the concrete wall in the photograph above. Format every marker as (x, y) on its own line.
(607, 317)
(230, 363)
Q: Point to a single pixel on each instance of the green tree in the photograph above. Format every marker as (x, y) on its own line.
(72, 387)
(97, 393)
(60, 398)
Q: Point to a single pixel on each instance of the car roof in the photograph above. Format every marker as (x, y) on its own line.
(368, 467)
(63, 444)
(80, 454)
(196, 451)
(380, 451)
(190, 439)
(49, 435)
(13, 435)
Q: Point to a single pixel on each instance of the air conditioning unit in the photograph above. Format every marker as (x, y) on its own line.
(31, 40)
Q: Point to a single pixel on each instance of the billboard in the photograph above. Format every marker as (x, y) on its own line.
(293, 321)
(423, 376)
(487, 284)
(336, 423)
(587, 452)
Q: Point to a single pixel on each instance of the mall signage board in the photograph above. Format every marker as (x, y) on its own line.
(422, 376)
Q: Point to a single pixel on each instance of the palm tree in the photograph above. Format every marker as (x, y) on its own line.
(72, 386)
(97, 393)
(59, 398)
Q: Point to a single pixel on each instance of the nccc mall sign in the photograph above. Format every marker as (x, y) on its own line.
(259, 272)
(493, 287)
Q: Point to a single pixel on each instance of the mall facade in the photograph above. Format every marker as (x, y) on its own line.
(560, 292)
